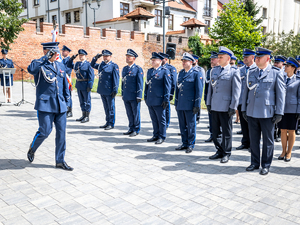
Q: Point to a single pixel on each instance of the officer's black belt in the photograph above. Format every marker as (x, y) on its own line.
(82, 79)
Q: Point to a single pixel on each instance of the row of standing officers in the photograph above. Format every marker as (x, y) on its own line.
(261, 104)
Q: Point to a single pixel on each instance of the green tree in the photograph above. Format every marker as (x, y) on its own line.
(253, 10)
(202, 50)
(286, 44)
(10, 24)
(235, 29)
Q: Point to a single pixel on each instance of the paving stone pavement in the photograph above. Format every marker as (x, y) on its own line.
(121, 180)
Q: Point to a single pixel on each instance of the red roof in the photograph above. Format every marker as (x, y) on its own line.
(113, 20)
(193, 23)
(140, 13)
(175, 32)
(182, 5)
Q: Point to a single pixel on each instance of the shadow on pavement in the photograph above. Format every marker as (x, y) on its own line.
(19, 164)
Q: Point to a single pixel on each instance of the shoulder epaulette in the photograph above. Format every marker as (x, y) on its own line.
(276, 68)
(234, 67)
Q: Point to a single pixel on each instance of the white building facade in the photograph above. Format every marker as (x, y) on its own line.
(78, 12)
(280, 15)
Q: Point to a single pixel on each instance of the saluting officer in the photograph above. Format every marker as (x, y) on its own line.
(157, 95)
(52, 95)
(173, 73)
(248, 55)
(188, 96)
(263, 106)
(84, 83)
(65, 53)
(222, 101)
(214, 61)
(108, 85)
(202, 72)
(132, 92)
(6, 63)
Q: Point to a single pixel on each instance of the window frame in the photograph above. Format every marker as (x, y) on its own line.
(122, 8)
(36, 2)
(157, 16)
(172, 20)
(76, 21)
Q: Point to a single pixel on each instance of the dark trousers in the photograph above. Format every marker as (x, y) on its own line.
(84, 100)
(210, 126)
(109, 108)
(133, 115)
(46, 121)
(264, 126)
(198, 115)
(187, 125)
(158, 118)
(168, 115)
(222, 119)
(70, 103)
(245, 129)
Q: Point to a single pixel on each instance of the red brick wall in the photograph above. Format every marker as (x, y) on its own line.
(28, 45)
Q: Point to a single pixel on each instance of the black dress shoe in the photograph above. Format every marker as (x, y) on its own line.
(287, 160)
(179, 134)
(104, 126)
(197, 121)
(210, 139)
(215, 156)
(225, 159)
(152, 139)
(159, 141)
(242, 147)
(298, 132)
(109, 127)
(64, 166)
(30, 155)
(281, 158)
(69, 114)
(181, 148)
(264, 171)
(85, 119)
(133, 134)
(252, 167)
(81, 118)
(128, 132)
(239, 132)
(188, 150)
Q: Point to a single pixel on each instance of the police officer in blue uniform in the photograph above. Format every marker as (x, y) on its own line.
(65, 53)
(222, 101)
(263, 106)
(279, 61)
(52, 95)
(157, 96)
(248, 55)
(202, 72)
(188, 96)
(173, 73)
(84, 83)
(214, 61)
(233, 60)
(240, 63)
(132, 92)
(108, 85)
(6, 63)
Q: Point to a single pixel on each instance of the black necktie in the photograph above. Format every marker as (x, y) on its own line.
(287, 80)
(260, 73)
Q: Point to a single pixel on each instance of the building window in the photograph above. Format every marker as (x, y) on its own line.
(76, 16)
(24, 4)
(207, 8)
(68, 17)
(41, 20)
(265, 13)
(36, 2)
(264, 30)
(124, 9)
(170, 22)
(185, 19)
(54, 18)
(158, 18)
(207, 22)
